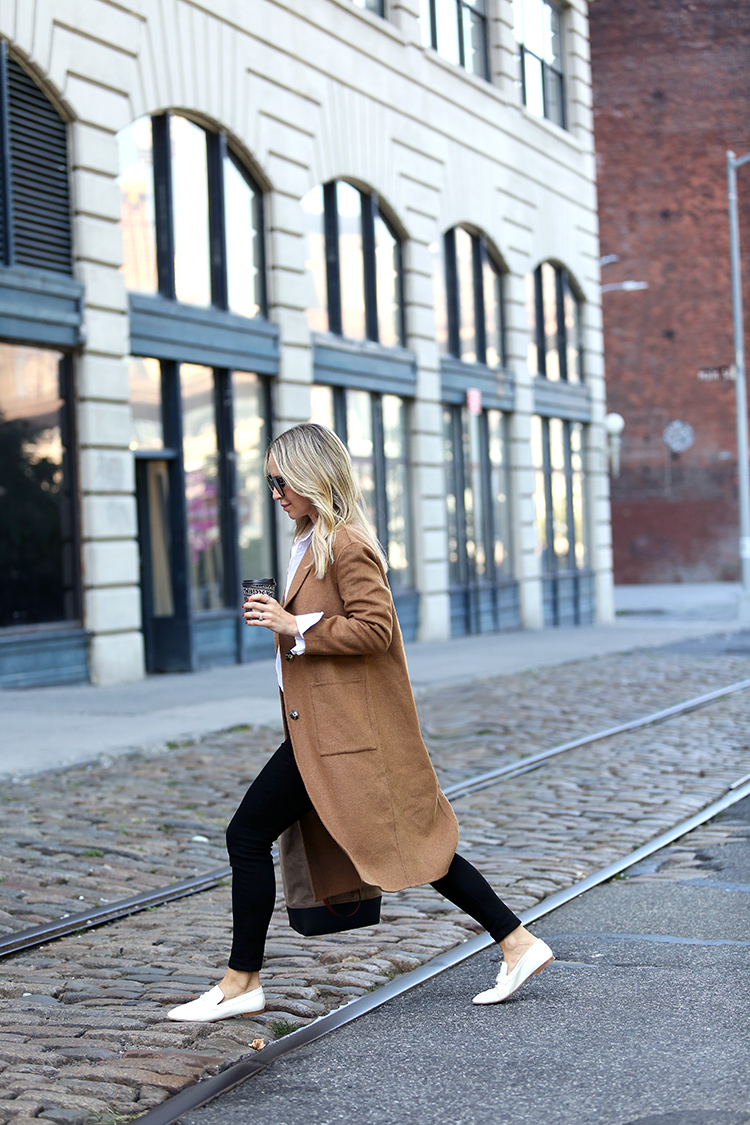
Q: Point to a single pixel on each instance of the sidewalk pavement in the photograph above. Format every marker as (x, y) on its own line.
(641, 1020)
(46, 728)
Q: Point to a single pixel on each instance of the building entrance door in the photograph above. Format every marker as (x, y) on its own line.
(167, 632)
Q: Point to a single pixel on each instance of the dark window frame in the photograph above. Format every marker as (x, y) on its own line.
(549, 73)
(369, 210)
(217, 149)
(461, 5)
(563, 284)
(480, 254)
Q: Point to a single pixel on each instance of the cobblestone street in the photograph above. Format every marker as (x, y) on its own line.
(84, 1036)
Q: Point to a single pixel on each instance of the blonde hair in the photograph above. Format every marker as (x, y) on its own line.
(314, 461)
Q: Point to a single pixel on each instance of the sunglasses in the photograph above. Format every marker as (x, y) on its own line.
(276, 483)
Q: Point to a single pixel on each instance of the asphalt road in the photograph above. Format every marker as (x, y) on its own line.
(642, 1020)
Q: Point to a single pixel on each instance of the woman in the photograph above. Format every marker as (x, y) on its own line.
(353, 774)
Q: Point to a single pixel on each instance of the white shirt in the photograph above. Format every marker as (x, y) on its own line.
(304, 620)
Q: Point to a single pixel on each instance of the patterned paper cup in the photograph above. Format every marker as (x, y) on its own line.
(258, 586)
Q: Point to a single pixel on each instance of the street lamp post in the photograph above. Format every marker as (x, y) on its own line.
(743, 461)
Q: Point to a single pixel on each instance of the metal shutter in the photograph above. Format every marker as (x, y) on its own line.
(39, 176)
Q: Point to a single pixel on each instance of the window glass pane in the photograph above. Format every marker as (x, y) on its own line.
(37, 565)
(533, 84)
(467, 319)
(425, 23)
(375, 6)
(450, 455)
(253, 515)
(573, 336)
(137, 225)
(351, 261)
(321, 406)
(159, 556)
(553, 94)
(441, 307)
(395, 447)
(361, 447)
(387, 281)
(474, 495)
(496, 431)
(559, 486)
(549, 297)
(190, 211)
(532, 350)
(446, 12)
(540, 497)
(493, 312)
(315, 261)
(202, 487)
(579, 524)
(475, 41)
(552, 44)
(242, 242)
(535, 26)
(145, 402)
(518, 20)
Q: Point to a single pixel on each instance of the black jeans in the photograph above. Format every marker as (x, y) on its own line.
(275, 800)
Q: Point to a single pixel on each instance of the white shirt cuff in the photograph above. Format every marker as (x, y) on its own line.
(304, 622)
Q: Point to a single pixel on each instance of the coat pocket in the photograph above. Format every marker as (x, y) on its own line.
(343, 716)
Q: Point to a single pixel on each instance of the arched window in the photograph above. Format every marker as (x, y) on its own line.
(193, 261)
(555, 324)
(40, 305)
(192, 216)
(470, 298)
(354, 258)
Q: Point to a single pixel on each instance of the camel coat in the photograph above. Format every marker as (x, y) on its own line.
(379, 817)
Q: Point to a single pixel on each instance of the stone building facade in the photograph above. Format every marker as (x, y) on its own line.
(671, 95)
(223, 219)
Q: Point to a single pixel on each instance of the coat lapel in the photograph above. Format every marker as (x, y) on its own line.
(304, 568)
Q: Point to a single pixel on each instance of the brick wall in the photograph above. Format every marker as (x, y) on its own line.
(671, 93)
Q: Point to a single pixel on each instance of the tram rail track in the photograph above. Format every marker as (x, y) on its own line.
(208, 1089)
(50, 931)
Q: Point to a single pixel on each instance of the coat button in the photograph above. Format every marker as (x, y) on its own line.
(289, 656)
(294, 714)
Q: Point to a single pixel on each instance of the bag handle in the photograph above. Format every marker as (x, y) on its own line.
(351, 912)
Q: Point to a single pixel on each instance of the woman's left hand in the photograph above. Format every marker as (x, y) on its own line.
(260, 609)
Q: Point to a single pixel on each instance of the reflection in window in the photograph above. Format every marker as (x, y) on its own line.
(200, 451)
(375, 6)
(457, 30)
(395, 449)
(354, 262)
(250, 441)
(351, 261)
(499, 485)
(192, 274)
(467, 321)
(36, 547)
(558, 460)
(359, 437)
(538, 34)
(472, 295)
(388, 282)
(242, 225)
(136, 181)
(145, 401)
(452, 486)
(315, 261)
(321, 406)
(554, 312)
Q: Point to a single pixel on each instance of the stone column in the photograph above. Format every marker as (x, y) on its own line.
(111, 594)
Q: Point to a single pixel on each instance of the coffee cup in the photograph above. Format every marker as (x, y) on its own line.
(258, 586)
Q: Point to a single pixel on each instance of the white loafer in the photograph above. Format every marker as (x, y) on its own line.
(533, 961)
(213, 1005)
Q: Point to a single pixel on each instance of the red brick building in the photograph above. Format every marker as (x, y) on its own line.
(671, 83)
